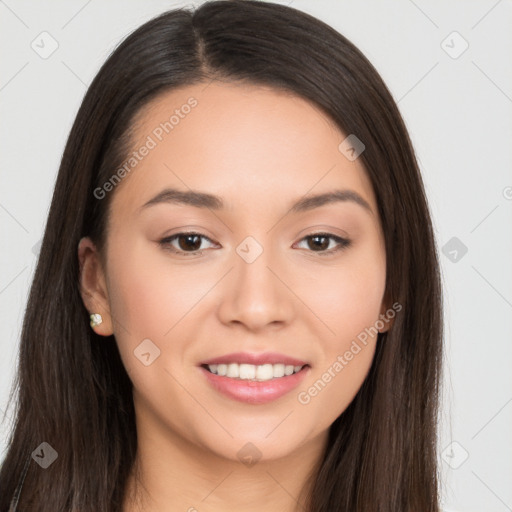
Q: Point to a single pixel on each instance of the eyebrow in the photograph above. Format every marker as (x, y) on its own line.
(205, 200)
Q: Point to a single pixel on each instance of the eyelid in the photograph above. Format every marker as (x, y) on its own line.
(342, 242)
(166, 242)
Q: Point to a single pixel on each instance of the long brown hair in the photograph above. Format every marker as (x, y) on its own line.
(72, 389)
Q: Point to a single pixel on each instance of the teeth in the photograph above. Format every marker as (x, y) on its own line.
(233, 370)
(247, 371)
(252, 372)
(278, 370)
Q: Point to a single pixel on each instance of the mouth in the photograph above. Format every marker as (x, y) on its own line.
(254, 373)
(254, 378)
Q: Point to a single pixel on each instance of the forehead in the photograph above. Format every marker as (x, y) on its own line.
(254, 146)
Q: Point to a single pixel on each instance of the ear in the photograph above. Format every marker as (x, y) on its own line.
(385, 316)
(93, 288)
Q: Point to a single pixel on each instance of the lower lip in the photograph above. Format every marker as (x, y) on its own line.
(254, 392)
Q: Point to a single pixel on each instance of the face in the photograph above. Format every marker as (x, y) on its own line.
(268, 281)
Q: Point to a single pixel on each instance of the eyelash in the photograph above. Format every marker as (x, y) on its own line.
(343, 243)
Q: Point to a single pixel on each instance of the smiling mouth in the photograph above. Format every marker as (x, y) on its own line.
(251, 372)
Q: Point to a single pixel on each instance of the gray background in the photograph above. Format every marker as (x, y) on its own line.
(457, 105)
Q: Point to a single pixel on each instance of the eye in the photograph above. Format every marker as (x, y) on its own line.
(185, 243)
(321, 243)
(190, 243)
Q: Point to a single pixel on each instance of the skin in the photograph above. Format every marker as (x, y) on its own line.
(260, 150)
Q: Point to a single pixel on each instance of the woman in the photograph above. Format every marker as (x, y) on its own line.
(237, 303)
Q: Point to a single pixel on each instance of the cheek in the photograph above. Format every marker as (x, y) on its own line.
(335, 384)
(152, 299)
(146, 295)
(136, 298)
(144, 305)
(146, 301)
(347, 298)
(346, 352)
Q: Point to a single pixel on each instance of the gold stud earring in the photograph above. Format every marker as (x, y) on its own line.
(96, 319)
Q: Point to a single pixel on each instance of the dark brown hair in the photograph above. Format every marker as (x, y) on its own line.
(72, 389)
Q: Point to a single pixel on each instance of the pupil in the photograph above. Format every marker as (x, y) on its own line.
(319, 245)
(195, 246)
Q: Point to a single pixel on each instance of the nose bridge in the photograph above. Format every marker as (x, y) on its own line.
(255, 296)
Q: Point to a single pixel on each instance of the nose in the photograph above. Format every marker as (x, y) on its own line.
(255, 294)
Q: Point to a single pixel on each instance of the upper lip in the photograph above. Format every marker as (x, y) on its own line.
(255, 359)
